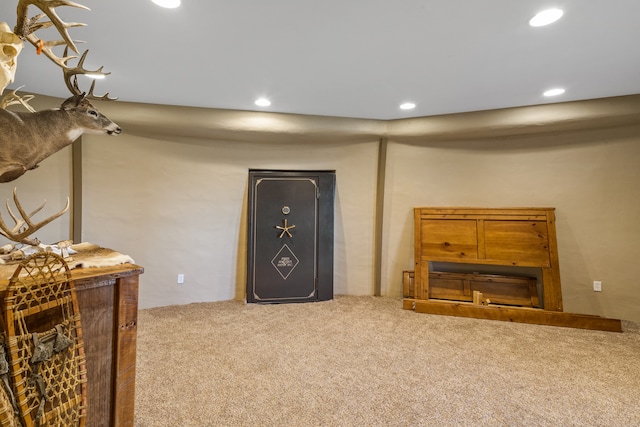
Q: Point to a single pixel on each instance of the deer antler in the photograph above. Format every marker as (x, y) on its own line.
(26, 27)
(24, 227)
(71, 79)
(14, 99)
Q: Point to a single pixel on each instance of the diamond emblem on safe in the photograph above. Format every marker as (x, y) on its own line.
(285, 261)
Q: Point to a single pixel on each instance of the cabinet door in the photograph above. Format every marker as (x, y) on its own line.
(449, 239)
(519, 242)
(290, 243)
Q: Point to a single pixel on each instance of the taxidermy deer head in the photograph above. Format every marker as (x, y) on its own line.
(28, 138)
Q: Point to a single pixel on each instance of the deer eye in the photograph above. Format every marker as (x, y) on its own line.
(94, 113)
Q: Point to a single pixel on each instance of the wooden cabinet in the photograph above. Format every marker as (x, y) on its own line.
(524, 237)
(521, 237)
(108, 302)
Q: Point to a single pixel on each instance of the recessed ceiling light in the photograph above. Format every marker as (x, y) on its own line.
(546, 17)
(554, 92)
(407, 106)
(95, 76)
(263, 102)
(169, 4)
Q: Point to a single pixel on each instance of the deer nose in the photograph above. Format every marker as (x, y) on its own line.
(117, 131)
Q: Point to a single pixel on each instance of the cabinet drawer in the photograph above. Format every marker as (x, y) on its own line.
(508, 290)
(452, 239)
(518, 242)
(449, 286)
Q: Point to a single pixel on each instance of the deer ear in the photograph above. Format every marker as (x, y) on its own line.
(74, 101)
(80, 99)
(68, 103)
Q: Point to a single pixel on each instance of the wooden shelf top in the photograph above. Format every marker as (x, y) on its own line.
(85, 274)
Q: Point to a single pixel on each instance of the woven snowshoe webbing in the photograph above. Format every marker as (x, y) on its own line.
(4, 375)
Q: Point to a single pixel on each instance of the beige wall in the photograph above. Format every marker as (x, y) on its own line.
(592, 185)
(172, 190)
(178, 204)
(585, 166)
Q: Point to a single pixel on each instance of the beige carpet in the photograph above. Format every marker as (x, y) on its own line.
(363, 361)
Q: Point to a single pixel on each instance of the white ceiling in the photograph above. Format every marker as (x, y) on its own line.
(348, 58)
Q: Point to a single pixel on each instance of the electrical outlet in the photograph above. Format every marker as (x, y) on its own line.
(597, 286)
(180, 279)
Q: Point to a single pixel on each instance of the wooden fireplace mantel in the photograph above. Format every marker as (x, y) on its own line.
(108, 302)
(522, 237)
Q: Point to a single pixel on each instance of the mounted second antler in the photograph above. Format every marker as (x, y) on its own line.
(25, 227)
(26, 28)
(29, 138)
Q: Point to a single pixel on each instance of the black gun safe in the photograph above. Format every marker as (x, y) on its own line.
(290, 237)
